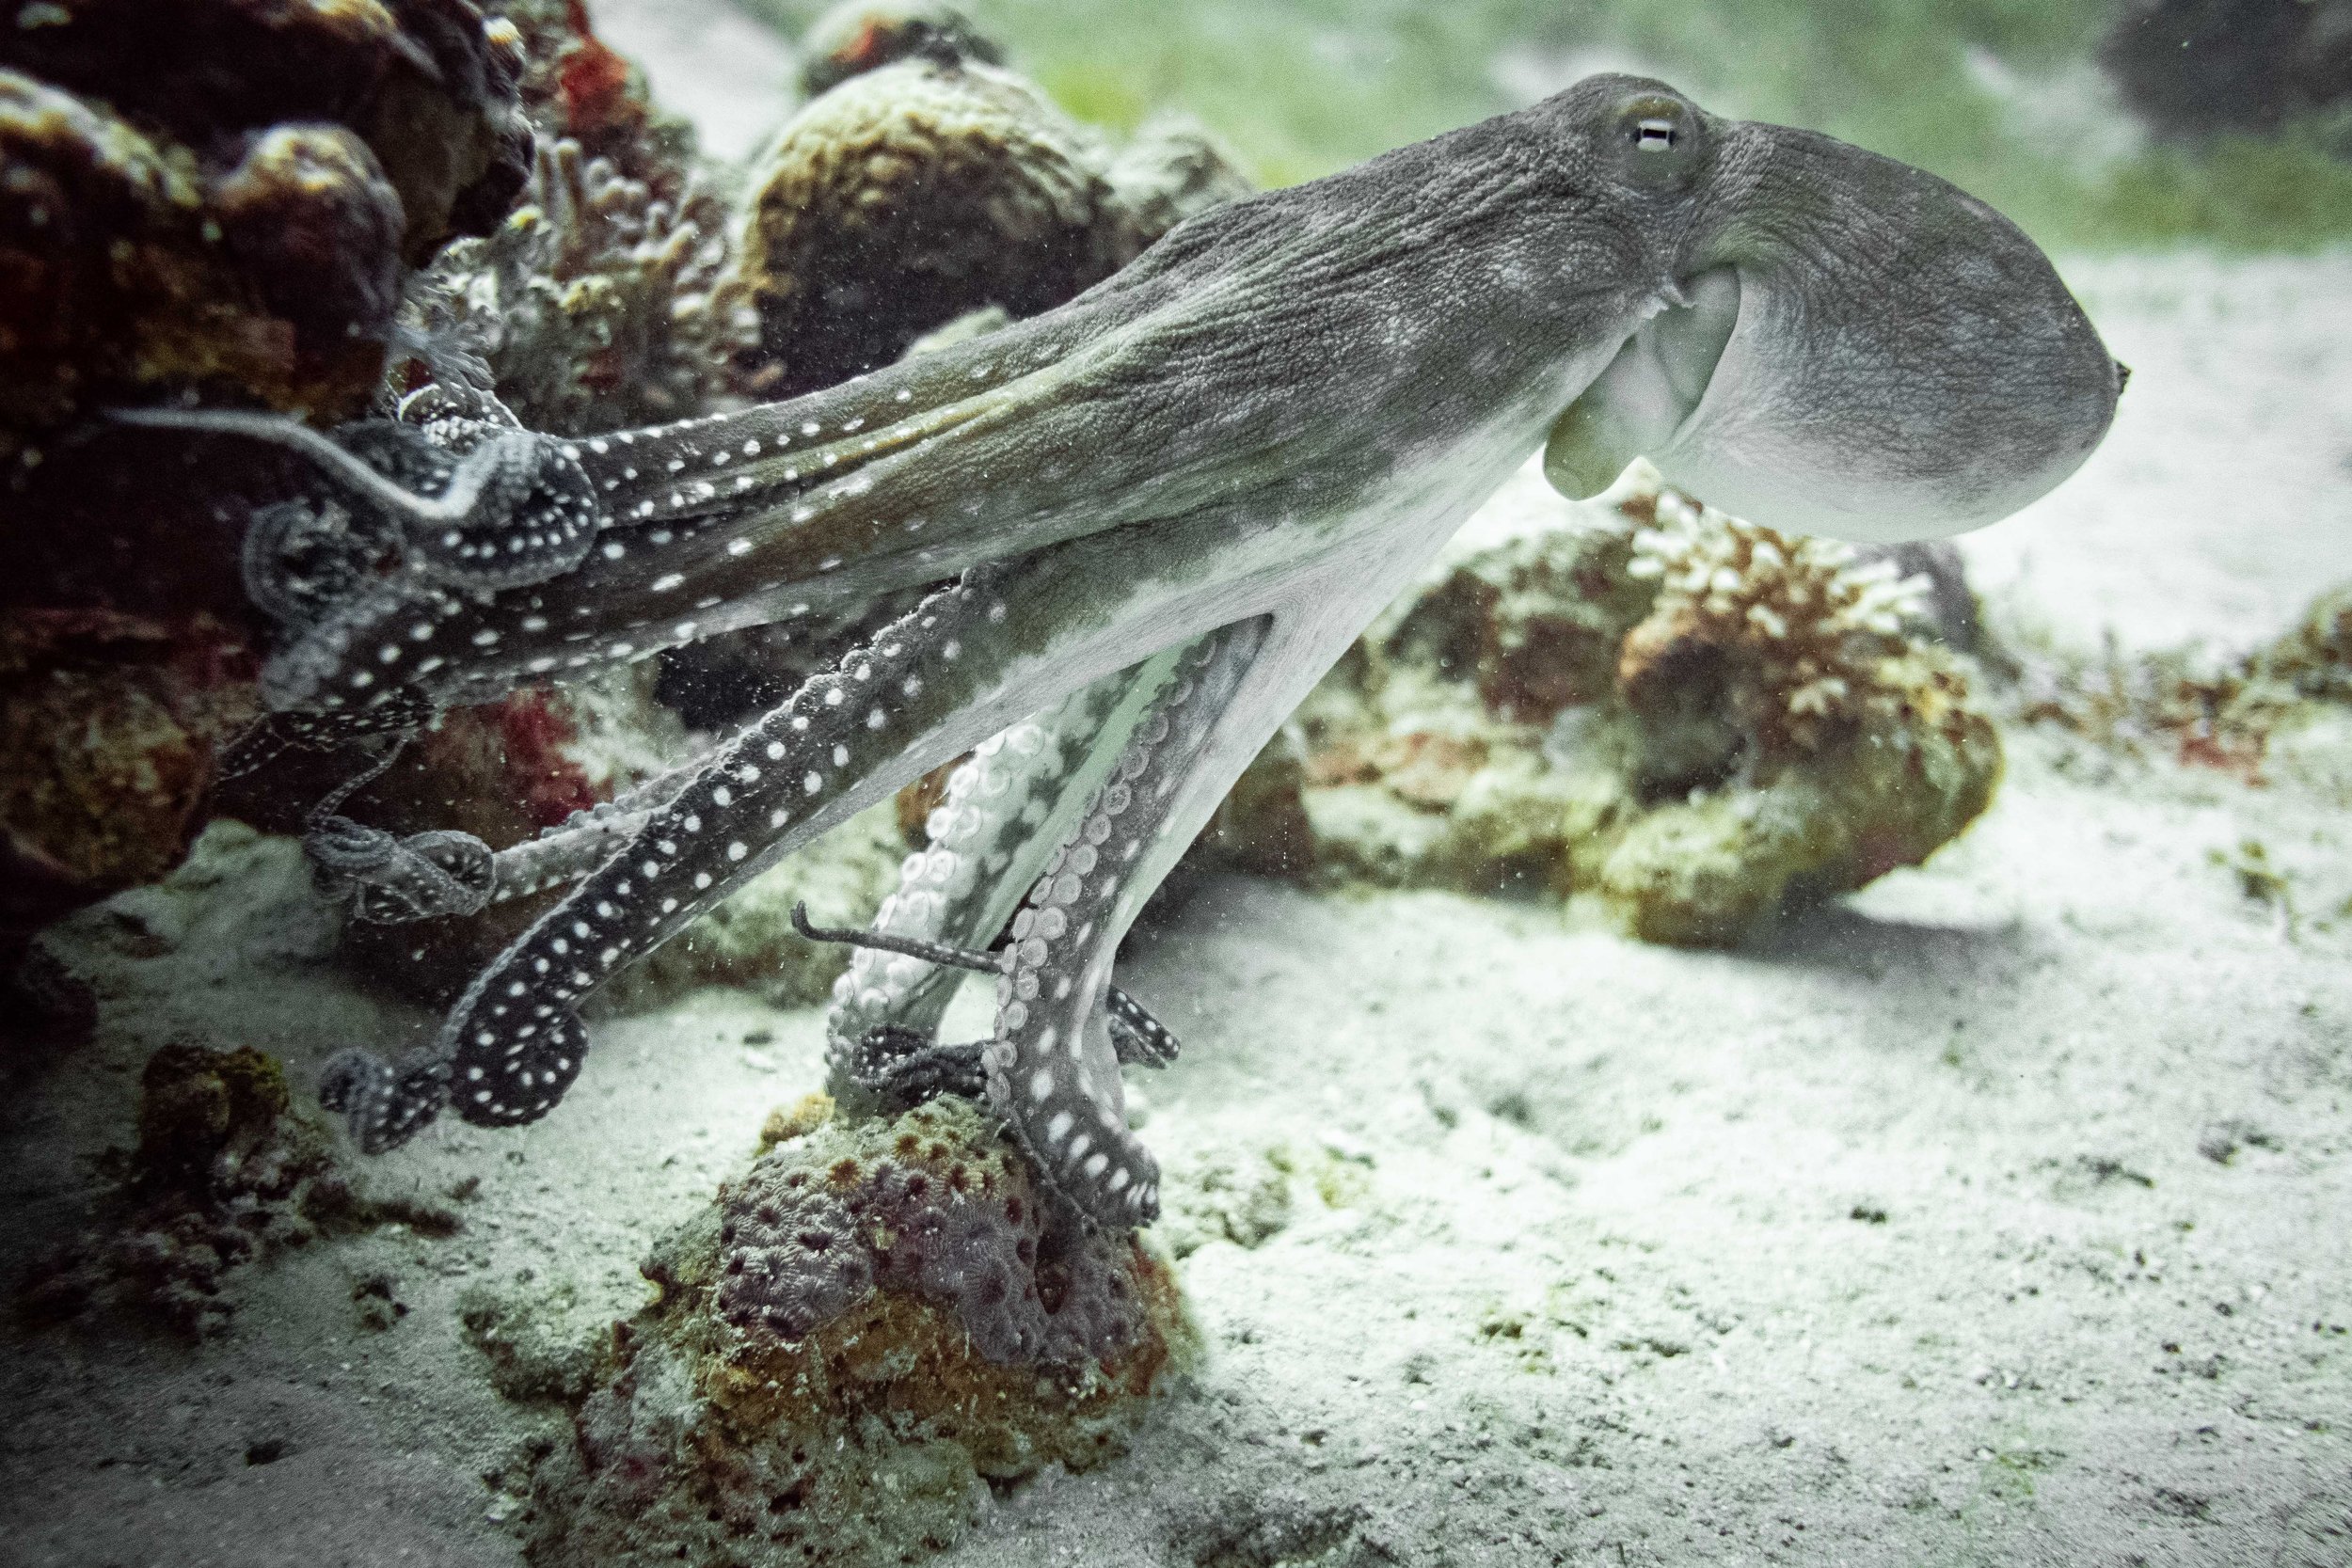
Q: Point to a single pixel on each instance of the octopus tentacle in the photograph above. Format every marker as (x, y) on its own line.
(514, 507)
(942, 678)
(1005, 808)
(1138, 1037)
(389, 890)
(995, 450)
(381, 877)
(899, 1068)
(514, 1042)
(1050, 1075)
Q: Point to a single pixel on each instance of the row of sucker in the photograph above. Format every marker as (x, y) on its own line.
(1001, 814)
(514, 1042)
(1053, 1078)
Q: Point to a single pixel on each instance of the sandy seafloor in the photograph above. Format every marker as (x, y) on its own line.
(1573, 1270)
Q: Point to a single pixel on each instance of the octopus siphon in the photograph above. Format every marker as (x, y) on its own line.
(1149, 519)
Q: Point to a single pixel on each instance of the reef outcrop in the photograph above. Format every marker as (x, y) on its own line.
(225, 1173)
(1688, 720)
(870, 1324)
(227, 195)
(222, 199)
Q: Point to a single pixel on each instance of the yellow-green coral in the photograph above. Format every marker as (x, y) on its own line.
(1777, 738)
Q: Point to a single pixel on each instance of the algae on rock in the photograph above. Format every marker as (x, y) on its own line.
(869, 1326)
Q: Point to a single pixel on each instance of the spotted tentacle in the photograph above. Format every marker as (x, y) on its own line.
(379, 875)
(983, 453)
(486, 507)
(1053, 1071)
(1004, 808)
(940, 679)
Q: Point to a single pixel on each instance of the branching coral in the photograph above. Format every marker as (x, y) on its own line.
(1805, 646)
(1783, 735)
(590, 304)
(1691, 719)
(870, 1322)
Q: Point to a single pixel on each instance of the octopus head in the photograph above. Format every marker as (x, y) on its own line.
(1838, 344)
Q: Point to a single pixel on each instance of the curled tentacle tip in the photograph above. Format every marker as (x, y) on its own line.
(349, 1076)
(384, 1106)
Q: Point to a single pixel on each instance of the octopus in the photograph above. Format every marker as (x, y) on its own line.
(1147, 521)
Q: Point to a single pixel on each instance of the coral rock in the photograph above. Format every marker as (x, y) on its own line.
(228, 192)
(906, 197)
(1694, 721)
(866, 35)
(111, 723)
(310, 215)
(872, 1323)
(591, 305)
(218, 1178)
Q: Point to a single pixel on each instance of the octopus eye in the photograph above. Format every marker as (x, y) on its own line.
(1660, 138)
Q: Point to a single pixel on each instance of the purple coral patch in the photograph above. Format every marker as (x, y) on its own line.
(948, 1216)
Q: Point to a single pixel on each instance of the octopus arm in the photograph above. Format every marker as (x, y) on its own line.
(1005, 808)
(1053, 1065)
(1101, 415)
(958, 669)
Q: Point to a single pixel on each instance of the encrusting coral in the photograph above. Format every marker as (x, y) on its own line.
(1691, 718)
(874, 1321)
(227, 192)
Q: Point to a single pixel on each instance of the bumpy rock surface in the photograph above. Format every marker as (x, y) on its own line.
(111, 723)
(866, 35)
(949, 1215)
(216, 197)
(228, 193)
(908, 195)
(871, 1324)
(1692, 721)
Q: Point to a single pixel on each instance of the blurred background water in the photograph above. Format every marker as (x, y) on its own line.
(2098, 123)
